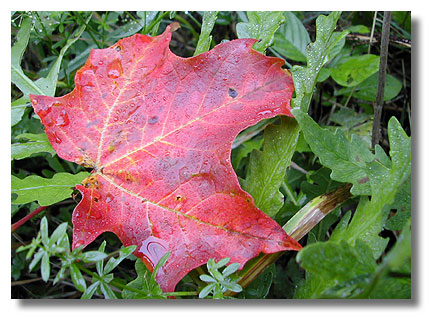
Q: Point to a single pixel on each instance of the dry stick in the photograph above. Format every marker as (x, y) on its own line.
(371, 33)
(16, 225)
(376, 132)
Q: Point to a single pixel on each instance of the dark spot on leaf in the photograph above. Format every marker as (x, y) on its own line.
(232, 93)
(178, 198)
(152, 120)
(357, 158)
(364, 180)
(96, 200)
(118, 48)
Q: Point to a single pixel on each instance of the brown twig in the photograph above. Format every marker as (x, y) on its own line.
(376, 132)
(17, 225)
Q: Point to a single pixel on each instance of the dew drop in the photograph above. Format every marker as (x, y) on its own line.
(78, 243)
(153, 249)
(184, 174)
(115, 69)
(109, 198)
(62, 119)
(56, 138)
(265, 113)
(113, 74)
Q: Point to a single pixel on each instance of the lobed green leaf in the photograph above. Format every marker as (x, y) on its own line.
(262, 26)
(318, 53)
(347, 159)
(46, 191)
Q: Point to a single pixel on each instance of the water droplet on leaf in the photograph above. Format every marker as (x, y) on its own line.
(62, 119)
(153, 249)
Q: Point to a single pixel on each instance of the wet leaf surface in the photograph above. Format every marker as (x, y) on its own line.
(157, 130)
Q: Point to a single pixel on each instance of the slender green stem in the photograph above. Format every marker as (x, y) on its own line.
(88, 27)
(133, 18)
(194, 19)
(289, 192)
(149, 28)
(188, 24)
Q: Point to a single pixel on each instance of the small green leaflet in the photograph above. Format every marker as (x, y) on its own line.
(367, 89)
(262, 26)
(318, 53)
(145, 282)
(355, 69)
(292, 38)
(203, 45)
(18, 108)
(402, 203)
(36, 143)
(46, 191)
(267, 168)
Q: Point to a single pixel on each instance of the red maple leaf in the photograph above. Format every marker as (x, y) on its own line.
(157, 130)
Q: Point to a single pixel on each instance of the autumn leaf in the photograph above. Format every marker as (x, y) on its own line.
(157, 130)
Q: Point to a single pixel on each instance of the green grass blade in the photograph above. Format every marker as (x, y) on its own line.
(262, 26)
(267, 168)
(203, 45)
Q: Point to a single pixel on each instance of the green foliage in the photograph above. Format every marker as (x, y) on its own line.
(219, 283)
(262, 26)
(101, 281)
(205, 39)
(145, 282)
(347, 159)
(355, 69)
(361, 250)
(36, 143)
(267, 168)
(43, 190)
(327, 44)
(292, 38)
(57, 245)
(361, 233)
(259, 288)
(367, 89)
